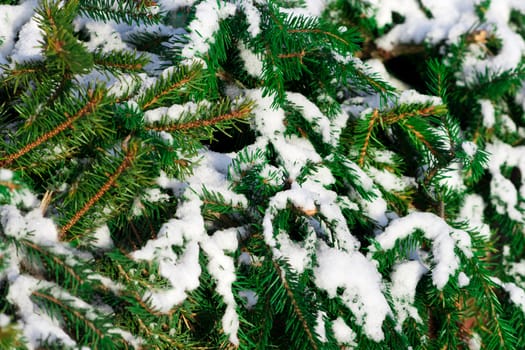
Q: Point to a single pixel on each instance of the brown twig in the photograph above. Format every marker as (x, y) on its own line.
(77, 314)
(194, 124)
(128, 160)
(371, 125)
(174, 86)
(296, 308)
(94, 100)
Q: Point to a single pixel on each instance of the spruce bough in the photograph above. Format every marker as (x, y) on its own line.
(241, 174)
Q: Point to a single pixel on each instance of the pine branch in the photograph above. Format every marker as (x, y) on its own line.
(131, 153)
(242, 113)
(371, 125)
(295, 305)
(95, 98)
(173, 87)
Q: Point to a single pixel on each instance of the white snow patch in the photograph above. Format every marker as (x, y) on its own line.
(343, 333)
(253, 17)
(472, 212)
(28, 47)
(208, 15)
(463, 280)
(250, 298)
(516, 294)
(252, 62)
(314, 116)
(488, 112)
(102, 238)
(37, 325)
(172, 5)
(6, 175)
(470, 148)
(320, 326)
(445, 240)
(12, 18)
(390, 181)
(182, 271)
(452, 177)
(360, 282)
(405, 277)
(104, 37)
(33, 226)
(222, 269)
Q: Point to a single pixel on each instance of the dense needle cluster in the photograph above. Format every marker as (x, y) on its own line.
(262, 174)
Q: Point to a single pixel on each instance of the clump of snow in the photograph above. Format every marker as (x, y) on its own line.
(504, 195)
(451, 20)
(309, 8)
(472, 212)
(222, 269)
(182, 270)
(445, 240)
(6, 175)
(36, 325)
(250, 298)
(252, 62)
(320, 326)
(488, 113)
(405, 277)
(329, 128)
(463, 280)
(475, 342)
(12, 18)
(208, 15)
(172, 5)
(343, 333)
(390, 181)
(295, 152)
(516, 269)
(412, 96)
(172, 113)
(253, 17)
(102, 238)
(269, 121)
(360, 283)
(188, 232)
(32, 226)
(104, 37)
(28, 45)
(4, 320)
(452, 177)
(516, 294)
(470, 148)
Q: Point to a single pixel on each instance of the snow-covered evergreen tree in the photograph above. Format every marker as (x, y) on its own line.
(317, 174)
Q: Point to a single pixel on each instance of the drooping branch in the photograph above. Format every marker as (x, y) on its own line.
(295, 305)
(76, 313)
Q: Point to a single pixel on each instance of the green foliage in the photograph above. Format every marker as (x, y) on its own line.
(235, 175)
